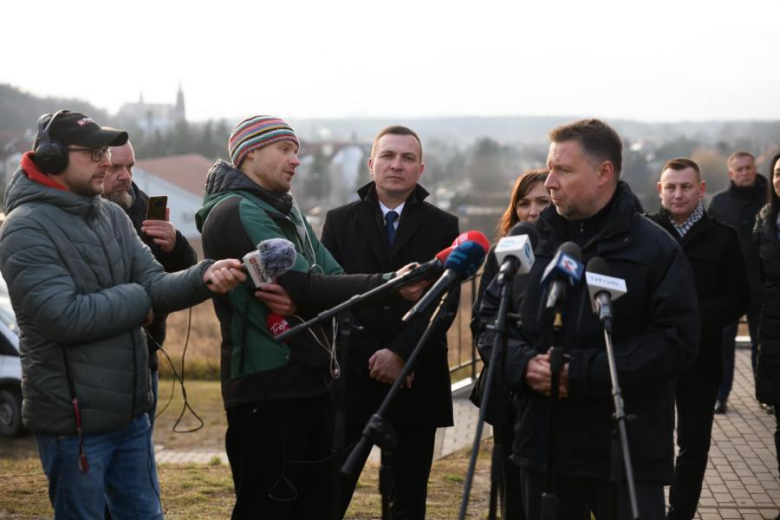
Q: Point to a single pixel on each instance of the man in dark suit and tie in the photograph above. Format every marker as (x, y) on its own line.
(390, 226)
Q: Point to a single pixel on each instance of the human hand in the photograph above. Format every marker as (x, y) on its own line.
(385, 366)
(224, 275)
(276, 299)
(413, 292)
(538, 375)
(162, 232)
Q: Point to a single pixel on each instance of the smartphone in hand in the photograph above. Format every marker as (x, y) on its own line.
(155, 208)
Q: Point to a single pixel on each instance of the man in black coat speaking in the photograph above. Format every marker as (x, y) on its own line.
(721, 286)
(655, 335)
(390, 226)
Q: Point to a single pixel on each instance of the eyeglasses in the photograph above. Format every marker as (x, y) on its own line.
(96, 154)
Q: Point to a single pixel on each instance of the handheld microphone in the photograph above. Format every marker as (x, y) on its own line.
(277, 325)
(565, 267)
(472, 236)
(433, 269)
(272, 258)
(515, 252)
(603, 288)
(462, 262)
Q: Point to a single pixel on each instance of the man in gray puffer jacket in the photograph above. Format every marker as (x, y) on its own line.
(82, 284)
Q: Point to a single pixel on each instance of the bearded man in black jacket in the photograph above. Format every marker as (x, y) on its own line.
(721, 286)
(655, 335)
(168, 245)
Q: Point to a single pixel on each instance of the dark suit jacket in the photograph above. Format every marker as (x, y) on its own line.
(355, 236)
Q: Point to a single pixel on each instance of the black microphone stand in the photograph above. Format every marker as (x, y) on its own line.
(378, 431)
(346, 325)
(387, 287)
(620, 434)
(549, 505)
(497, 366)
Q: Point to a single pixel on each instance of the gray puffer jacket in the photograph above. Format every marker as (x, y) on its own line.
(81, 283)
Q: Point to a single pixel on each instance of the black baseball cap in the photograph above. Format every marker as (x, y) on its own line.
(75, 128)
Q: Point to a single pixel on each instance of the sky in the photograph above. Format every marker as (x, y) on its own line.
(657, 60)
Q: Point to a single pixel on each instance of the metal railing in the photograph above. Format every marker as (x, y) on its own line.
(463, 358)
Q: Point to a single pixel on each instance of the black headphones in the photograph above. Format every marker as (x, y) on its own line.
(49, 155)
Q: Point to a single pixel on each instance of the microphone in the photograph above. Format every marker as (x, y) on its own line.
(462, 262)
(472, 236)
(603, 289)
(277, 325)
(515, 252)
(272, 258)
(566, 266)
(433, 269)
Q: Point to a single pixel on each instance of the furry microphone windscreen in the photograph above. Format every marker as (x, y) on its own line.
(277, 256)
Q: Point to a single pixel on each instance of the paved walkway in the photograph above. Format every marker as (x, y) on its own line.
(741, 479)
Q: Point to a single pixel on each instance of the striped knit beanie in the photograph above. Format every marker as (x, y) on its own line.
(257, 132)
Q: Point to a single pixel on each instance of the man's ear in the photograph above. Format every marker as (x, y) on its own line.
(606, 173)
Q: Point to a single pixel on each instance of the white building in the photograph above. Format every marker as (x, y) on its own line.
(153, 117)
(182, 179)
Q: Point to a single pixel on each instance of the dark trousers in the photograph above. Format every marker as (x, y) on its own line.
(506, 472)
(578, 497)
(279, 455)
(777, 436)
(695, 412)
(411, 461)
(729, 347)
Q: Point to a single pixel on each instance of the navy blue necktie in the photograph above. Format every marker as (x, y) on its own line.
(390, 219)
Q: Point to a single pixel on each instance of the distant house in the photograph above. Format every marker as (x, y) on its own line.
(153, 117)
(182, 179)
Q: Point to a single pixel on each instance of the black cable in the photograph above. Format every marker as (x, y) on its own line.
(176, 377)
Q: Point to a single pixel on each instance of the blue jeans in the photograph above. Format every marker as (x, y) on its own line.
(122, 474)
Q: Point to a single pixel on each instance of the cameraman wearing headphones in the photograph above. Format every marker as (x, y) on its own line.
(82, 285)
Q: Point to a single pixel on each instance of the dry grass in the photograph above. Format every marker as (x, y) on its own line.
(202, 354)
(206, 491)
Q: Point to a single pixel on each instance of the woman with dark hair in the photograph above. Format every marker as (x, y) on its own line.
(529, 199)
(767, 237)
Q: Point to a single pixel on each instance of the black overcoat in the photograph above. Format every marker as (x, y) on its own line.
(714, 251)
(768, 361)
(355, 236)
(655, 338)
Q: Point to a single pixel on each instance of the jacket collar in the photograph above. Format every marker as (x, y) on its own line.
(372, 226)
(26, 187)
(368, 192)
(662, 219)
(223, 177)
(757, 191)
(613, 221)
(35, 174)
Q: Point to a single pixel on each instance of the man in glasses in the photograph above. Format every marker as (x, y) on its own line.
(82, 285)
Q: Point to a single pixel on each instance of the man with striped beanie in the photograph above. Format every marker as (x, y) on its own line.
(276, 395)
